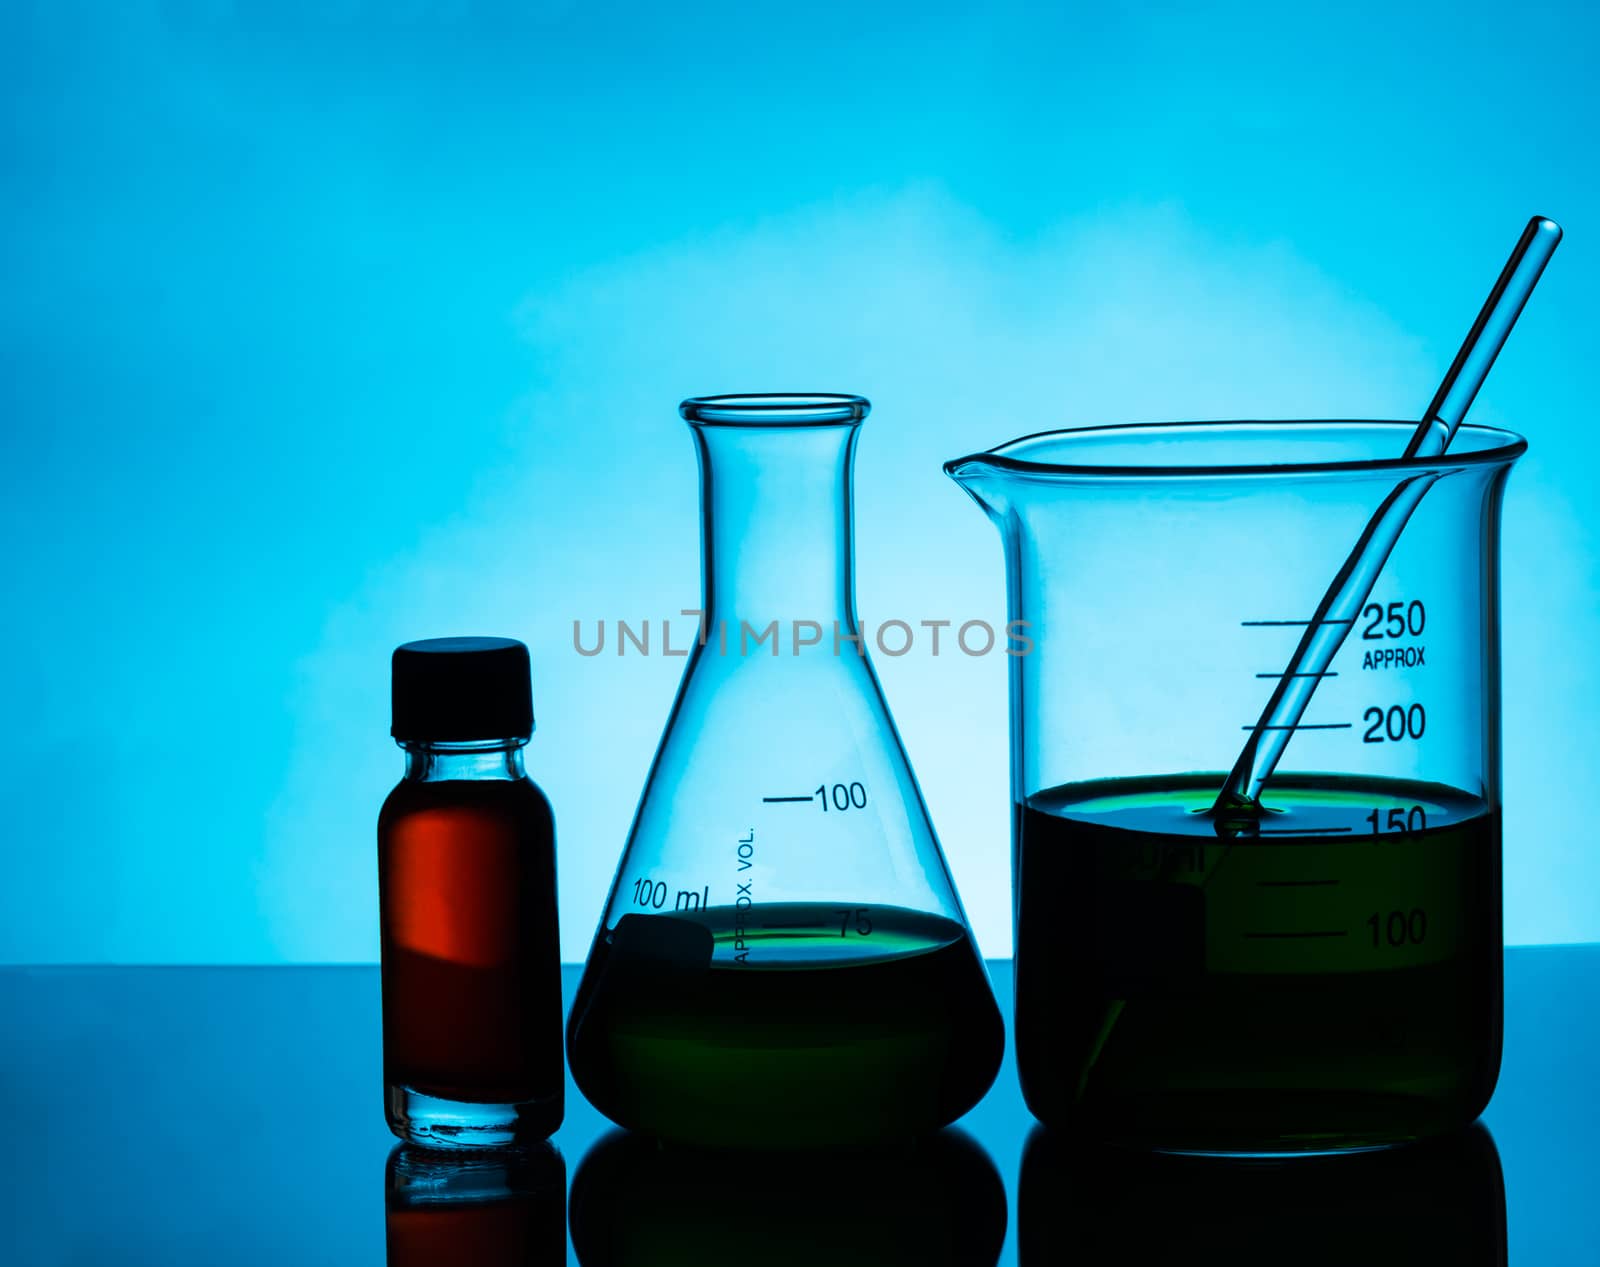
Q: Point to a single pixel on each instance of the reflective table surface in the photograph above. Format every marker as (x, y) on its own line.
(233, 1115)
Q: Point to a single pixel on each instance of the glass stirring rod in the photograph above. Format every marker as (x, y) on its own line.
(1337, 612)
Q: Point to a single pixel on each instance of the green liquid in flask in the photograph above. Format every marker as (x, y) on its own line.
(838, 1027)
(1326, 976)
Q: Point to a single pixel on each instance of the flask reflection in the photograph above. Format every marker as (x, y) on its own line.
(937, 1202)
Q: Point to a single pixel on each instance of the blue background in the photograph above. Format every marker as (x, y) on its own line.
(326, 327)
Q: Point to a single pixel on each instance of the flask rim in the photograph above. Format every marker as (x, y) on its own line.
(776, 409)
(1498, 446)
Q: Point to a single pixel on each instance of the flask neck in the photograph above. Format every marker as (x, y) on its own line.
(484, 759)
(776, 532)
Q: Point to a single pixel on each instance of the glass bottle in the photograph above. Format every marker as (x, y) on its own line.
(467, 890)
(783, 961)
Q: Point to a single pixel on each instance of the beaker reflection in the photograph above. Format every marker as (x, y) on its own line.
(1437, 1202)
(495, 1208)
(938, 1202)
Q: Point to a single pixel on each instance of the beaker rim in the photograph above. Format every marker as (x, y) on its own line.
(1495, 445)
(776, 409)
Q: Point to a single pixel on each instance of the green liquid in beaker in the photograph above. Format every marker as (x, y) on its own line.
(841, 1026)
(1326, 975)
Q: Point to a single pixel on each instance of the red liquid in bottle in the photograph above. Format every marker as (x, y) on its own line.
(471, 958)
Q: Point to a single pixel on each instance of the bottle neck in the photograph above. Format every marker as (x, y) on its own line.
(432, 762)
(776, 527)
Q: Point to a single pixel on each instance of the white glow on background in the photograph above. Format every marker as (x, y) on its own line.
(962, 340)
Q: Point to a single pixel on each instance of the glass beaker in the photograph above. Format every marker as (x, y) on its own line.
(783, 961)
(1324, 974)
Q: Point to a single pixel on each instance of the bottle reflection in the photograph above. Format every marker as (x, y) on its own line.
(936, 1203)
(1439, 1202)
(492, 1209)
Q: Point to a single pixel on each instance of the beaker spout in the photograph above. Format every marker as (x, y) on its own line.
(982, 481)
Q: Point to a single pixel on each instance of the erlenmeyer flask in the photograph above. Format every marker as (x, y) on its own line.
(783, 961)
